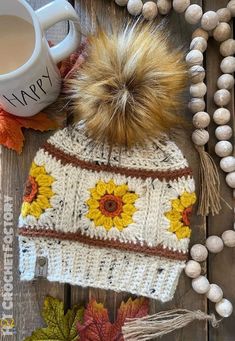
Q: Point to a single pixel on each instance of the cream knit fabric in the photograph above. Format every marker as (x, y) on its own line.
(116, 220)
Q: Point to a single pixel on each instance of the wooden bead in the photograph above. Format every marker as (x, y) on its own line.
(199, 252)
(181, 5)
(200, 137)
(225, 81)
(227, 164)
(199, 32)
(224, 308)
(201, 285)
(230, 179)
(134, 7)
(150, 10)
(201, 120)
(222, 97)
(209, 20)
(164, 6)
(194, 57)
(197, 104)
(121, 2)
(198, 90)
(197, 73)
(215, 293)
(223, 132)
(223, 148)
(198, 43)
(193, 14)
(229, 238)
(221, 116)
(222, 32)
(214, 244)
(193, 269)
(227, 48)
(224, 14)
(231, 7)
(228, 64)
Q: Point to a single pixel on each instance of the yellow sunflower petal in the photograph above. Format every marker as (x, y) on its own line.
(110, 187)
(118, 223)
(35, 209)
(44, 180)
(43, 202)
(93, 214)
(120, 190)
(129, 198)
(99, 221)
(188, 199)
(93, 203)
(94, 194)
(45, 191)
(177, 206)
(183, 232)
(25, 209)
(101, 188)
(173, 215)
(108, 223)
(126, 219)
(175, 226)
(129, 209)
(37, 170)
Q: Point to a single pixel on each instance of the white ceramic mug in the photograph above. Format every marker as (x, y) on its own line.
(37, 83)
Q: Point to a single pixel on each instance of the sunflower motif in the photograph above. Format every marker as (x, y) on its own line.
(37, 192)
(111, 205)
(179, 215)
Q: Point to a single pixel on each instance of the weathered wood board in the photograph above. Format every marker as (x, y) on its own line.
(28, 297)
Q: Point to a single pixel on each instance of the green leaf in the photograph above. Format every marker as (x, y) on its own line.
(60, 326)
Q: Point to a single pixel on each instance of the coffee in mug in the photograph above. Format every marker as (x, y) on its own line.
(17, 41)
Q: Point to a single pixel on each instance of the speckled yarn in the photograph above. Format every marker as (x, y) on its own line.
(114, 220)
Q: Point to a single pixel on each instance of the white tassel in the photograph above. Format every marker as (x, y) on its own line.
(152, 326)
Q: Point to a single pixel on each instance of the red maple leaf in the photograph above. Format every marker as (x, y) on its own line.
(97, 326)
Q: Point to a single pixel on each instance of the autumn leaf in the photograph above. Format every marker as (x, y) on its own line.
(11, 135)
(97, 327)
(60, 326)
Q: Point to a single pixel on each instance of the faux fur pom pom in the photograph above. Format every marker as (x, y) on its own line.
(129, 89)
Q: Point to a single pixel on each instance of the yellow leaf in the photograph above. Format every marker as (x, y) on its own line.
(60, 326)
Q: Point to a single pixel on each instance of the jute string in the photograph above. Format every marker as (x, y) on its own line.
(162, 323)
(209, 197)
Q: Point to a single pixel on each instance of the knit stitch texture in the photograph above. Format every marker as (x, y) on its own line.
(115, 220)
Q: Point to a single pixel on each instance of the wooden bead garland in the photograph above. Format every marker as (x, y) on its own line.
(214, 244)
(224, 308)
(215, 293)
(215, 24)
(227, 164)
(199, 252)
(209, 20)
(150, 10)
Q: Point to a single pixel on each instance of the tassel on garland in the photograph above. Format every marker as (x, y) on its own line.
(209, 196)
(152, 326)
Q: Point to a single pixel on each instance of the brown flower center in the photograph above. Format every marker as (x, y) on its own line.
(111, 205)
(31, 189)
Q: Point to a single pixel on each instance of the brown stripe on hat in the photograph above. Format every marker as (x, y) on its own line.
(157, 250)
(135, 173)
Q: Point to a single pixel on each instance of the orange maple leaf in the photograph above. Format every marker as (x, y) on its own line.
(11, 135)
(97, 326)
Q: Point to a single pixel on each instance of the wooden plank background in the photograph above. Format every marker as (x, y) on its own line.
(28, 297)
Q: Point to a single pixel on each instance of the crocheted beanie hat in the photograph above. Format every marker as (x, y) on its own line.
(102, 208)
(118, 221)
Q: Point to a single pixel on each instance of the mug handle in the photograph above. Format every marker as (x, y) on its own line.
(51, 14)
